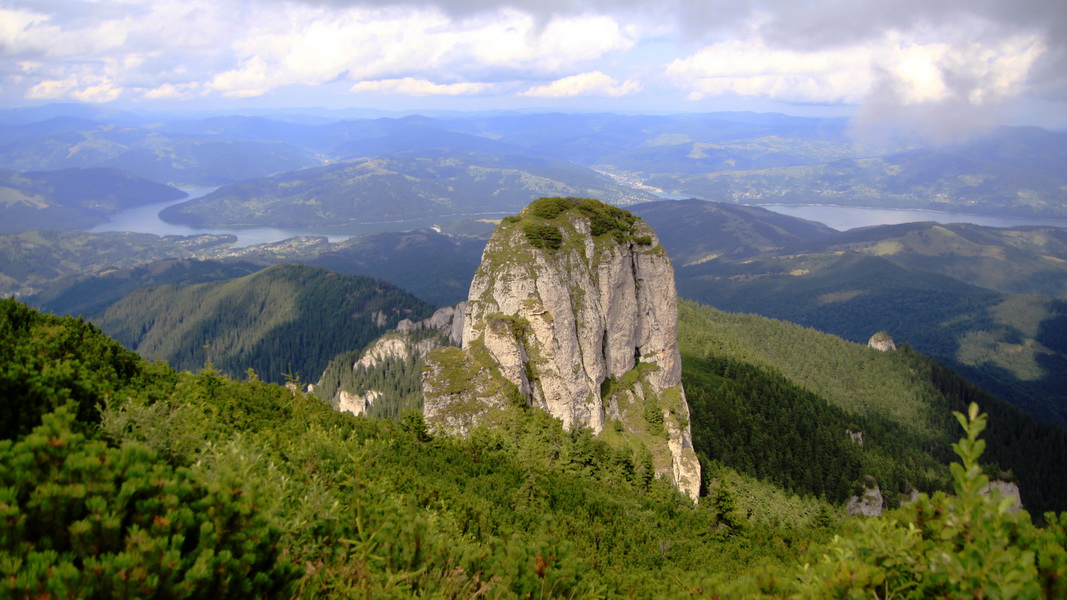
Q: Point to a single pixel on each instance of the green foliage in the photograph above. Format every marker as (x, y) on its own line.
(654, 417)
(549, 208)
(543, 236)
(901, 400)
(228, 484)
(757, 422)
(81, 519)
(603, 218)
(47, 362)
(969, 545)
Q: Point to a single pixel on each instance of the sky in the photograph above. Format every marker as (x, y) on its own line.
(943, 67)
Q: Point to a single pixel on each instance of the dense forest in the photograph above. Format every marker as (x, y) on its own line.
(774, 400)
(121, 478)
(285, 321)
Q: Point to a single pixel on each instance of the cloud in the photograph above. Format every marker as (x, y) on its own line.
(410, 86)
(585, 84)
(307, 46)
(946, 93)
(751, 68)
(893, 63)
(913, 79)
(88, 89)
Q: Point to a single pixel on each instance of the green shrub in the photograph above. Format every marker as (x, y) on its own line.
(550, 208)
(48, 361)
(81, 519)
(543, 236)
(965, 546)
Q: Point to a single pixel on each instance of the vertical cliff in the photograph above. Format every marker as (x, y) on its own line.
(573, 310)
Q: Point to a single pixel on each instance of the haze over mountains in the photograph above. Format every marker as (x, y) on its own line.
(985, 300)
(398, 167)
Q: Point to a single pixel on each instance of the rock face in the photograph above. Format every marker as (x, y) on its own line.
(870, 504)
(1007, 489)
(408, 342)
(573, 310)
(882, 341)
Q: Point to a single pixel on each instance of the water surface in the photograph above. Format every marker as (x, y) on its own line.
(844, 218)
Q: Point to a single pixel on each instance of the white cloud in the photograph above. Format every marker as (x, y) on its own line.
(751, 68)
(170, 91)
(594, 83)
(868, 51)
(312, 46)
(85, 89)
(410, 86)
(919, 72)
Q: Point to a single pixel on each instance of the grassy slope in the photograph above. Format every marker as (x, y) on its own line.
(902, 398)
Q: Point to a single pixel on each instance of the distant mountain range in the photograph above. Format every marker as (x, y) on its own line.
(306, 170)
(396, 187)
(1011, 172)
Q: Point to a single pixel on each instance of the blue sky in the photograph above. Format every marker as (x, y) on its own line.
(937, 65)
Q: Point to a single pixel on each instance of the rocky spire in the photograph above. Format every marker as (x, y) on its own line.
(573, 310)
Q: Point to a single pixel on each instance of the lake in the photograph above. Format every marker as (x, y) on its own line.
(844, 218)
(145, 219)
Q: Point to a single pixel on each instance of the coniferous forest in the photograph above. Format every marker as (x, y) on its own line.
(122, 478)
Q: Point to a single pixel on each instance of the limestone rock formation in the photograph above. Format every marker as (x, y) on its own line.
(1007, 489)
(573, 310)
(882, 341)
(357, 404)
(409, 342)
(869, 504)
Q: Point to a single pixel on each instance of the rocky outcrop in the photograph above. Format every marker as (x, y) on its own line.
(410, 342)
(1006, 489)
(357, 404)
(868, 504)
(856, 436)
(882, 341)
(573, 310)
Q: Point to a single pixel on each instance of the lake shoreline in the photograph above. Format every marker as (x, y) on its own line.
(843, 217)
(146, 219)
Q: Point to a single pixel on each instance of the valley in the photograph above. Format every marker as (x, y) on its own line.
(366, 444)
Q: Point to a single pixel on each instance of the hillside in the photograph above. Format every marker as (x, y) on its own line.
(701, 231)
(738, 157)
(73, 198)
(80, 273)
(133, 146)
(303, 501)
(284, 321)
(1018, 260)
(434, 267)
(766, 392)
(90, 295)
(396, 187)
(33, 261)
(925, 284)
